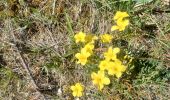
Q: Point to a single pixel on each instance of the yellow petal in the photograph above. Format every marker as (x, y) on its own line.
(117, 15)
(84, 62)
(106, 81)
(79, 86)
(80, 37)
(85, 53)
(106, 38)
(123, 68)
(122, 24)
(110, 72)
(121, 28)
(79, 94)
(118, 75)
(111, 68)
(74, 93)
(125, 14)
(88, 48)
(115, 27)
(120, 15)
(126, 22)
(101, 73)
(72, 88)
(93, 75)
(77, 41)
(95, 37)
(94, 81)
(77, 55)
(101, 86)
(103, 64)
(116, 50)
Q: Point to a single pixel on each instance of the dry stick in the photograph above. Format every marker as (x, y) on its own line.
(53, 7)
(26, 67)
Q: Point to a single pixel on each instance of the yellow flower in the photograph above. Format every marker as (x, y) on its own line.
(82, 57)
(100, 79)
(116, 68)
(90, 38)
(120, 21)
(88, 48)
(80, 37)
(77, 90)
(106, 38)
(111, 53)
(121, 25)
(104, 65)
(120, 15)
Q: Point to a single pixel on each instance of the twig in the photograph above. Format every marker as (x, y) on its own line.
(53, 7)
(26, 67)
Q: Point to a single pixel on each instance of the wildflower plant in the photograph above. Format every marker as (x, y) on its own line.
(109, 64)
(104, 59)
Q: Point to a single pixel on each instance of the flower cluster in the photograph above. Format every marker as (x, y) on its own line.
(110, 64)
(87, 50)
(113, 65)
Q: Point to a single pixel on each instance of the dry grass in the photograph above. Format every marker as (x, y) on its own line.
(41, 33)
